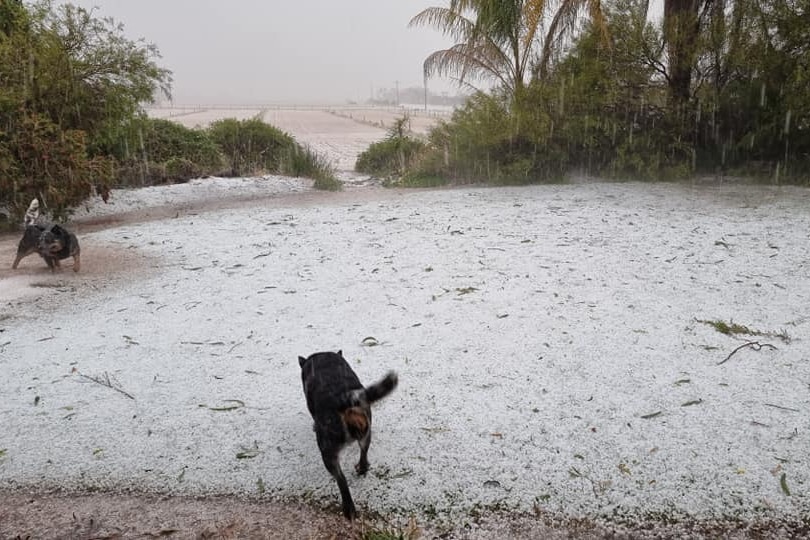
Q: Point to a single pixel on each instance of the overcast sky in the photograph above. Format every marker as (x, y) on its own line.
(281, 50)
(273, 51)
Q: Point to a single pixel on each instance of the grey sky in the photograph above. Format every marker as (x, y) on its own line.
(281, 50)
(271, 51)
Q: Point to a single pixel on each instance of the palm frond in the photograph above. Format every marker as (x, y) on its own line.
(446, 21)
(463, 61)
(563, 25)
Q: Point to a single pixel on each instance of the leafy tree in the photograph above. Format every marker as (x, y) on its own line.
(751, 87)
(498, 40)
(720, 86)
(682, 22)
(609, 107)
(70, 87)
(97, 78)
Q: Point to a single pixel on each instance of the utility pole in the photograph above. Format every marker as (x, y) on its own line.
(425, 93)
(396, 83)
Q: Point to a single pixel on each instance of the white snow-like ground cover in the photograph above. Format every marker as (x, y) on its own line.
(194, 191)
(548, 340)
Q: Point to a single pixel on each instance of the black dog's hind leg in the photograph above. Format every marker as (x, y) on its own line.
(330, 459)
(365, 442)
(20, 256)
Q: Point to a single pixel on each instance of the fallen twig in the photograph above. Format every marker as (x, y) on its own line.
(103, 381)
(756, 345)
(780, 407)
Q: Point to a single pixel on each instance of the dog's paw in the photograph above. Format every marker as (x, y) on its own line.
(361, 468)
(349, 511)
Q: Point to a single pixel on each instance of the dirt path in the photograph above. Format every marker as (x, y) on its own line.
(114, 516)
(35, 516)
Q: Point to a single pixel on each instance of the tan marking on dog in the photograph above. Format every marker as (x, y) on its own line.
(356, 420)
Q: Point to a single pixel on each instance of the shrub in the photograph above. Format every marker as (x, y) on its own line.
(253, 147)
(157, 151)
(493, 140)
(310, 164)
(138, 173)
(164, 140)
(181, 170)
(50, 164)
(394, 155)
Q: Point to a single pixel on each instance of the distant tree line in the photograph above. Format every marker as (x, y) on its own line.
(717, 87)
(415, 96)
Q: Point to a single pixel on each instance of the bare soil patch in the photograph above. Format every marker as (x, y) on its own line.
(117, 516)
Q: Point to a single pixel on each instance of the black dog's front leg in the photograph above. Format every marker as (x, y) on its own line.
(333, 466)
(51, 262)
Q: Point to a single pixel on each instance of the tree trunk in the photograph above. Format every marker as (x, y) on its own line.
(681, 30)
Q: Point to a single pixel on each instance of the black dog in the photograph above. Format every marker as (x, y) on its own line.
(341, 408)
(28, 243)
(53, 243)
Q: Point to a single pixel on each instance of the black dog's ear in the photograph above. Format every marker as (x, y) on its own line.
(57, 230)
(301, 361)
(340, 353)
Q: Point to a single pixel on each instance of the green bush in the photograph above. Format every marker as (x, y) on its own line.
(157, 151)
(164, 141)
(394, 155)
(51, 164)
(254, 147)
(181, 170)
(139, 173)
(495, 141)
(390, 157)
(310, 164)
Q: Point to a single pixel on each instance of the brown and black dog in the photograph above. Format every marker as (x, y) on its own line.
(53, 243)
(341, 408)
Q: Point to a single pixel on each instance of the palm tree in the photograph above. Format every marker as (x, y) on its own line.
(499, 39)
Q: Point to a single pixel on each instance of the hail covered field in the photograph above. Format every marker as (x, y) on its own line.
(340, 132)
(601, 358)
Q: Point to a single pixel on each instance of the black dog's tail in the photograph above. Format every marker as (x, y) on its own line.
(368, 395)
(381, 388)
